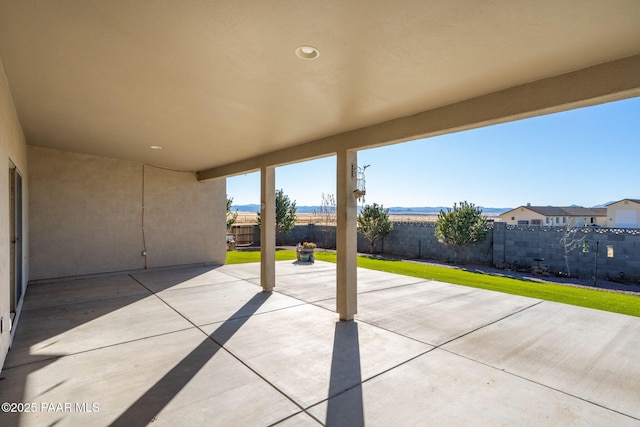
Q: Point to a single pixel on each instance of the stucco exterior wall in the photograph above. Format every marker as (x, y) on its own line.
(522, 214)
(88, 214)
(622, 205)
(13, 149)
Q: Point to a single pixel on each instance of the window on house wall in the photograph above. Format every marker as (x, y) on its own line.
(536, 222)
(513, 218)
(549, 221)
(557, 220)
(523, 222)
(564, 219)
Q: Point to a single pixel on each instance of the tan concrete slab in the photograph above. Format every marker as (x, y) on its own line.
(79, 290)
(182, 277)
(372, 280)
(308, 355)
(289, 272)
(242, 271)
(308, 287)
(292, 269)
(299, 420)
(443, 389)
(182, 378)
(587, 353)
(219, 302)
(296, 267)
(73, 328)
(434, 312)
(317, 282)
(519, 361)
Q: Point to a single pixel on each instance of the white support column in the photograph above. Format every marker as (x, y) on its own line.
(267, 228)
(346, 236)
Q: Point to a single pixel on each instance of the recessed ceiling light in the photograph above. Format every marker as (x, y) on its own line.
(307, 52)
(155, 147)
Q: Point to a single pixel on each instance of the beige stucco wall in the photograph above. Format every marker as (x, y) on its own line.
(613, 208)
(87, 215)
(521, 214)
(524, 214)
(12, 149)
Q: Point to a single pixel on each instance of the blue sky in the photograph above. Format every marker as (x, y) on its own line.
(586, 157)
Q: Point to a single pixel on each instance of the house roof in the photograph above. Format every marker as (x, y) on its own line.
(564, 211)
(219, 83)
(631, 200)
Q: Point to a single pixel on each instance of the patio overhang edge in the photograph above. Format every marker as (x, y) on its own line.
(611, 81)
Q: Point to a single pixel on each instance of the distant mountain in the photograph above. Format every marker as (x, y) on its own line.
(245, 208)
(307, 209)
(495, 210)
(396, 210)
(604, 205)
(256, 208)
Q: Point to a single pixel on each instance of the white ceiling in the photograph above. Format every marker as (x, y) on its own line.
(215, 82)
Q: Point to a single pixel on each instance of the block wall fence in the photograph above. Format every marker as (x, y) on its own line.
(505, 245)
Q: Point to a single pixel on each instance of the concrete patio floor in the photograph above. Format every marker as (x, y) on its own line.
(203, 346)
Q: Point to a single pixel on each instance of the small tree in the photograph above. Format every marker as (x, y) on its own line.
(327, 215)
(327, 211)
(569, 241)
(459, 227)
(231, 216)
(285, 213)
(374, 223)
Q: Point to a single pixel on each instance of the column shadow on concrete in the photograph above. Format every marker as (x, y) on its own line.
(145, 409)
(346, 377)
(51, 310)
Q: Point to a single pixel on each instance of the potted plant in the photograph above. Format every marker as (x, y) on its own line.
(304, 251)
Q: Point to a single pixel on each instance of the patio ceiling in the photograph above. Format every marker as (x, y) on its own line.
(217, 82)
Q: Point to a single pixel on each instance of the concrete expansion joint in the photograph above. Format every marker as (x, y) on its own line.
(61, 356)
(163, 301)
(439, 346)
(548, 387)
(490, 323)
(303, 411)
(262, 377)
(396, 286)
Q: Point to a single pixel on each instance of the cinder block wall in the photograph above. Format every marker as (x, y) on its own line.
(521, 245)
(505, 245)
(323, 235)
(87, 215)
(410, 240)
(418, 240)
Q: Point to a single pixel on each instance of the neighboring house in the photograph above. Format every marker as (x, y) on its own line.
(623, 213)
(556, 216)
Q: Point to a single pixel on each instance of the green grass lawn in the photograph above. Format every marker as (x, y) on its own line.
(243, 257)
(592, 298)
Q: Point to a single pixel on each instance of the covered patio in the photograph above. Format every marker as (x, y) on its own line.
(204, 345)
(119, 124)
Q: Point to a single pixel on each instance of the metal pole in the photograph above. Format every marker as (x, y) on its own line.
(595, 273)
